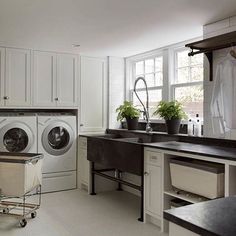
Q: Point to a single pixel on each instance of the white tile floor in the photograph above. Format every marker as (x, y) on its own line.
(75, 213)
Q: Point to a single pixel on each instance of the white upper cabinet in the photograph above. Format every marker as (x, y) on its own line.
(2, 75)
(55, 79)
(93, 94)
(67, 80)
(44, 79)
(38, 79)
(17, 78)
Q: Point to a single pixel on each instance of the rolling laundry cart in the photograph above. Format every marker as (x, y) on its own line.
(20, 183)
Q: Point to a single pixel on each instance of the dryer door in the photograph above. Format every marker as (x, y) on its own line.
(16, 137)
(57, 138)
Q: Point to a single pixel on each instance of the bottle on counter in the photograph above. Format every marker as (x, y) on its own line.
(190, 127)
(197, 127)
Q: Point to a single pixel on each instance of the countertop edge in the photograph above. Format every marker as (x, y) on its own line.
(189, 152)
(187, 225)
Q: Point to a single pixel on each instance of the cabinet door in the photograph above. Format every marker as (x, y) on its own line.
(153, 189)
(18, 78)
(44, 79)
(66, 80)
(83, 163)
(2, 75)
(92, 95)
(84, 167)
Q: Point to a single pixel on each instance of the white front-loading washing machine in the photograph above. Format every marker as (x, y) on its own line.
(57, 142)
(18, 132)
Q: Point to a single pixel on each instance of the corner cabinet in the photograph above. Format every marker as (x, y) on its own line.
(93, 94)
(15, 66)
(153, 186)
(54, 79)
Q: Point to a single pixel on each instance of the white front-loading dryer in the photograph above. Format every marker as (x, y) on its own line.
(57, 142)
(18, 133)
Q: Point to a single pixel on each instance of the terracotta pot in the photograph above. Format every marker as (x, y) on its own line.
(173, 126)
(132, 124)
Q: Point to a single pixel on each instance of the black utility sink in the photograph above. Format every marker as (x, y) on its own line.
(124, 154)
(137, 140)
(109, 136)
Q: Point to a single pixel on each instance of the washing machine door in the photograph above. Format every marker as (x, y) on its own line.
(57, 138)
(16, 137)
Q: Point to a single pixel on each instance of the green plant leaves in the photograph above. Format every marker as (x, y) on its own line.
(127, 110)
(170, 110)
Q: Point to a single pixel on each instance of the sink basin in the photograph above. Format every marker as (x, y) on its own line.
(109, 136)
(137, 140)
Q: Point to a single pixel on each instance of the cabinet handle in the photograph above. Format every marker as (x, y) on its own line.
(146, 173)
(6, 98)
(56, 99)
(81, 125)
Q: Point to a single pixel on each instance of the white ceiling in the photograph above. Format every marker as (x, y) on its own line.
(106, 27)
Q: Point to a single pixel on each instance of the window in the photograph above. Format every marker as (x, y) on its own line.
(152, 70)
(181, 79)
(187, 86)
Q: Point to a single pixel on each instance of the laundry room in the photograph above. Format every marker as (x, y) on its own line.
(117, 118)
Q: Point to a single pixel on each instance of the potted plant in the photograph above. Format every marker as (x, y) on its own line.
(130, 113)
(173, 113)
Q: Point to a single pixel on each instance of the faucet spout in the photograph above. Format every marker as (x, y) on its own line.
(146, 109)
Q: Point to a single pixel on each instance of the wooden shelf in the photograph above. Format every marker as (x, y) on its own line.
(214, 43)
(188, 197)
(209, 45)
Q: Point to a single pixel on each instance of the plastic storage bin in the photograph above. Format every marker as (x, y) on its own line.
(198, 177)
(19, 173)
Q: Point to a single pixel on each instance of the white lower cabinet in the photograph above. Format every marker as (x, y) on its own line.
(83, 164)
(153, 185)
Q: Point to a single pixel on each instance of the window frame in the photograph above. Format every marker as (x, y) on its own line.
(169, 72)
(133, 77)
(173, 85)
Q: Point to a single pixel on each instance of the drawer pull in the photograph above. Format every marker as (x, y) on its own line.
(153, 158)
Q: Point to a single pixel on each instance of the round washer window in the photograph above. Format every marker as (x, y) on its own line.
(58, 138)
(15, 140)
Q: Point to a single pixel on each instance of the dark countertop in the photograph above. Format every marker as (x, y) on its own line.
(156, 140)
(211, 218)
(201, 149)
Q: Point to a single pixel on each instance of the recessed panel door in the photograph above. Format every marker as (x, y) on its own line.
(18, 78)
(44, 79)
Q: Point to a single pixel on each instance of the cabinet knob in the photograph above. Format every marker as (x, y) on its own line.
(6, 97)
(146, 173)
(81, 125)
(56, 99)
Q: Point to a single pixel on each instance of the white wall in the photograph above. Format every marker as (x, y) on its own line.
(116, 75)
(211, 30)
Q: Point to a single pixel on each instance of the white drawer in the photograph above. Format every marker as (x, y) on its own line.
(59, 181)
(83, 142)
(153, 158)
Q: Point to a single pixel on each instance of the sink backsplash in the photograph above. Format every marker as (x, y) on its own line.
(158, 127)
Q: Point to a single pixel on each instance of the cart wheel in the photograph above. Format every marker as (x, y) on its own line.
(23, 223)
(33, 214)
(5, 210)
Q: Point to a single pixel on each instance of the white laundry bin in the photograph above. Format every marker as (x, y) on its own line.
(198, 177)
(19, 173)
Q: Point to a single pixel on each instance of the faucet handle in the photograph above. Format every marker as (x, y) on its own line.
(148, 127)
